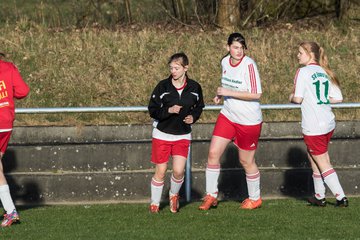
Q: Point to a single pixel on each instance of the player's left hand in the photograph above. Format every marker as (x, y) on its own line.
(189, 119)
(222, 91)
(291, 97)
(217, 99)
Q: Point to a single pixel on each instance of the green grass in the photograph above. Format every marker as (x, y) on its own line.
(277, 219)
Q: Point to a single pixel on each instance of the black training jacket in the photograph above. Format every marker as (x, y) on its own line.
(165, 96)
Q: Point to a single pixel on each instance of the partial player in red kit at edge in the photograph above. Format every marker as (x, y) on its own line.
(240, 120)
(316, 87)
(11, 86)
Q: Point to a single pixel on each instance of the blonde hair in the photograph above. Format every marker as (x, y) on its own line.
(320, 58)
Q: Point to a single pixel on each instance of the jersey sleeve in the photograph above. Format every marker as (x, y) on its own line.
(253, 78)
(335, 92)
(156, 109)
(299, 84)
(198, 108)
(20, 88)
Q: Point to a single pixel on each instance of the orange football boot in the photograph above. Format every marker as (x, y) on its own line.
(251, 204)
(154, 208)
(174, 203)
(208, 202)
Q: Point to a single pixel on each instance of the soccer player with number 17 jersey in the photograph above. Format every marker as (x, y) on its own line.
(316, 86)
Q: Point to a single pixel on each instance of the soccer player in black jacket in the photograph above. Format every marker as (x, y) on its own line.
(175, 104)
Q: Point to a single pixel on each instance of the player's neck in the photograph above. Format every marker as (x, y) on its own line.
(178, 83)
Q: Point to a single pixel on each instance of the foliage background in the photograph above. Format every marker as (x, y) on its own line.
(73, 61)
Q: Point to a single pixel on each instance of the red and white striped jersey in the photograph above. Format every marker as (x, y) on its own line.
(243, 76)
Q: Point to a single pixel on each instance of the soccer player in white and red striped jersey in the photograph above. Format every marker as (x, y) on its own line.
(240, 121)
(316, 86)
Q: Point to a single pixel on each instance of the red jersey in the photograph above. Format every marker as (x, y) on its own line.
(11, 86)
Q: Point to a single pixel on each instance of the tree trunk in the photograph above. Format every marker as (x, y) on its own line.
(342, 9)
(228, 13)
(179, 10)
(182, 11)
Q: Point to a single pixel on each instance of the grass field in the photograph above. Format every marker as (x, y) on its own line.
(277, 219)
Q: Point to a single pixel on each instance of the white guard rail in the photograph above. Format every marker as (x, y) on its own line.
(144, 109)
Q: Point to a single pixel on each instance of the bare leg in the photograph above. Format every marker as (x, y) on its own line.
(217, 148)
(179, 166)
(247, 160)
(177, 177)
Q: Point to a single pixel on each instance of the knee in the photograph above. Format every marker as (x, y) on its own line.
(244, 163)
(178, 174)
(213, 157)
(247, 163)
(159, 177)
(2, 179)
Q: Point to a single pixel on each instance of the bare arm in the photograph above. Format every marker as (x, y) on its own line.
(242, 95)
(296, 100)
(334, 100)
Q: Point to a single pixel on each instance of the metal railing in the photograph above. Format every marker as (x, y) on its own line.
(144, 109)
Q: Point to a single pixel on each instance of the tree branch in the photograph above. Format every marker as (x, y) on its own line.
(197, 15)
(174, 18)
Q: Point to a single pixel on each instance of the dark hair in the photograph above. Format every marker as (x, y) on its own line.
(2, 55)
(237, 37)
(179, 57)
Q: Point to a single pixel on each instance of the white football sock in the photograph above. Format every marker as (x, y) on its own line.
(253, 185)
(175, 185)
(156, 191)
(6, 199)
(332, 181)
(319, 186)
(212, 177)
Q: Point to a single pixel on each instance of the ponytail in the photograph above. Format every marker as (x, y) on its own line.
(324, 63)
(321, 59)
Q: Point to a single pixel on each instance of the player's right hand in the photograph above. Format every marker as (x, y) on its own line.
(175, 109)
